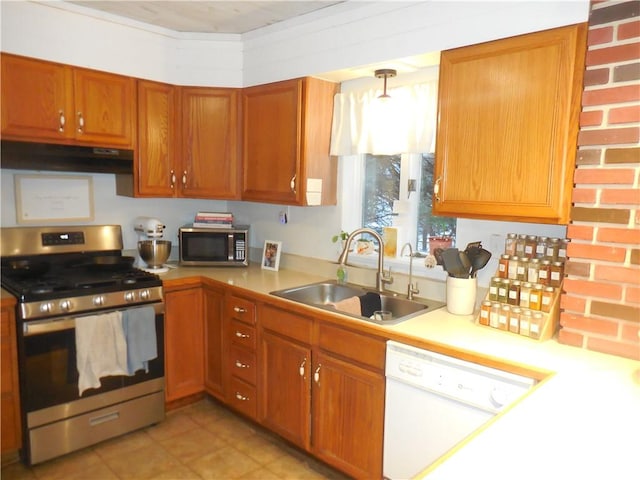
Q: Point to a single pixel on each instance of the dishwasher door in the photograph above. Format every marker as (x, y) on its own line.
(433, 402)
(421, 426)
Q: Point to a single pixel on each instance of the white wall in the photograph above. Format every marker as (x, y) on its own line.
(350, 34)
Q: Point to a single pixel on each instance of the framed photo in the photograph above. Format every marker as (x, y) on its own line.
(271, 255)
(53, 198)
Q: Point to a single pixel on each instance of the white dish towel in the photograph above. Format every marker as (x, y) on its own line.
(101, 348)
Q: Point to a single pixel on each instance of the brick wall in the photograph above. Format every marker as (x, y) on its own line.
(601, 303)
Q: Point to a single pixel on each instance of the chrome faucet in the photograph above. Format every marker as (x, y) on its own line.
(411, 290)
(382, 278)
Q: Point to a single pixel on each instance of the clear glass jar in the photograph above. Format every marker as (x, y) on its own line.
(530, 246)
(512, 272)
(485, 312)
(521, 272)
(494, 314)
(525, 293)
(525, 322)
(513, 296)
(503, 266)
(520, 243)
(493, 289)
(562, 249)
(547, 299)
(510, 244)
(503, 290)
(503, 317)
(535, 297)
(533, 270)
(514, 320)
(536, 325)
(541, 247)
(544, 272)
(556, 274)
(553, 245)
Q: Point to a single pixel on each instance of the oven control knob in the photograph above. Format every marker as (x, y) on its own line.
(46, 307)
(129, 296)
(65, 305)
(145, 295)
(98, 301)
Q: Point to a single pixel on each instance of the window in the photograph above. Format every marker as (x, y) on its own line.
(397, 191)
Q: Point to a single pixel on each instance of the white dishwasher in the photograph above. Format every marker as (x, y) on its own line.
(434, 401)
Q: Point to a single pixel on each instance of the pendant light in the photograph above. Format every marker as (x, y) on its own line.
(385, 73)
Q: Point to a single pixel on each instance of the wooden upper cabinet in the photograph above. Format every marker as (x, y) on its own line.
(209, 147)
(50, 102)
(286, 137)
(508, 125)
(155, 171)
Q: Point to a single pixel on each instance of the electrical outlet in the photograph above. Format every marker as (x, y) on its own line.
(283, 217)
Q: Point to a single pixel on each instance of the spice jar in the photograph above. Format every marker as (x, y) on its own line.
(513, 296)
(525, 322)
(553, 245)
(562, 250)
(556, 274)
(521, 272)
(520, 243)
(503, 317)
(535, 298)
(535, 327)
(510, 244)
(485, 312)
(503, 266)
(544, 272)
(493, 288)
(533, 270)
(530, 245)
(503, 290)
(514, 320)
(541, 247)
(512, 271)
(547, 299)
(494, 314)
(525, 293)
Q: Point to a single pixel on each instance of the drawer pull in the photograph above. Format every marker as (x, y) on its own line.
(239, 364)
(80, 123)
(61, 121)
(239, 310)
(242, 335)
(241, 397)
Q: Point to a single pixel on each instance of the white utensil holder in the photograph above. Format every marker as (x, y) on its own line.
(461, 295)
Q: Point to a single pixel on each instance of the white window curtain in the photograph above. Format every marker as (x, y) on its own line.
(404, 123)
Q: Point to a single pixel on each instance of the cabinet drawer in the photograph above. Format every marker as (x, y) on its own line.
(242, 334)
(242, 364)
(242, 397)
(353, 346)
(286, 323)
(241, 309)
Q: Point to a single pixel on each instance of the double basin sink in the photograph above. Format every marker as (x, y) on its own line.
(324, 294)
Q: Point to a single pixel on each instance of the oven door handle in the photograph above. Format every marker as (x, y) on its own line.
(67, 323)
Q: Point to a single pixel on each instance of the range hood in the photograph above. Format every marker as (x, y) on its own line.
(65, 158)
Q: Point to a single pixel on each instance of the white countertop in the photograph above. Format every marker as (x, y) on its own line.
(583, 422)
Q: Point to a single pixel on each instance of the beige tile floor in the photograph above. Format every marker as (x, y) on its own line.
(200, 441)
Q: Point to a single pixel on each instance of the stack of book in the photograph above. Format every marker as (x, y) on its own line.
(213, 220)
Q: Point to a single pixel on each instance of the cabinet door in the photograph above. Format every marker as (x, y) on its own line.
(37, 100)
(285, 393)
(184, 349)
(348, 415)
(156, 156)
(508, 125)
(210, 158)
(10, 407)
(213, 327)
(105, 108)
(271, 145)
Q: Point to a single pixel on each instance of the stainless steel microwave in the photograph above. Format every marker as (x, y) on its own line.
(214, 247)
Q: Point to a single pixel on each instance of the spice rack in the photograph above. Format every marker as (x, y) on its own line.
(524, 295)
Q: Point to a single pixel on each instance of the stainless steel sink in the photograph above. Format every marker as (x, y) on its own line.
(324, 294)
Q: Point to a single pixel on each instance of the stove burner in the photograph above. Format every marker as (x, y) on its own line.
(129, 281)
(42, 289)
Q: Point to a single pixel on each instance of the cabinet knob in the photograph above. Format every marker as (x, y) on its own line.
(80, 123)
(316, 374)
(239, 310)
(61, 121)
(173, 178)
(292, 184)
(301, 368)
(241, 397)
(239, 364)
(436, 189)
(242, 335)
(184, 178)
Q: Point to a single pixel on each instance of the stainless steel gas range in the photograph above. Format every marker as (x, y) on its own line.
(90, 337)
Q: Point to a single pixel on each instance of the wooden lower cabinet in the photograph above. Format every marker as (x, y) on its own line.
(184, 346)
(213, 300)
(331, 403)
(10, 402)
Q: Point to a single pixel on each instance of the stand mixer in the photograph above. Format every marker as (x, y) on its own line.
(153, 251)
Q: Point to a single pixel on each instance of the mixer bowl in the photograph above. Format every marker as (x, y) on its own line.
(154, 252)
